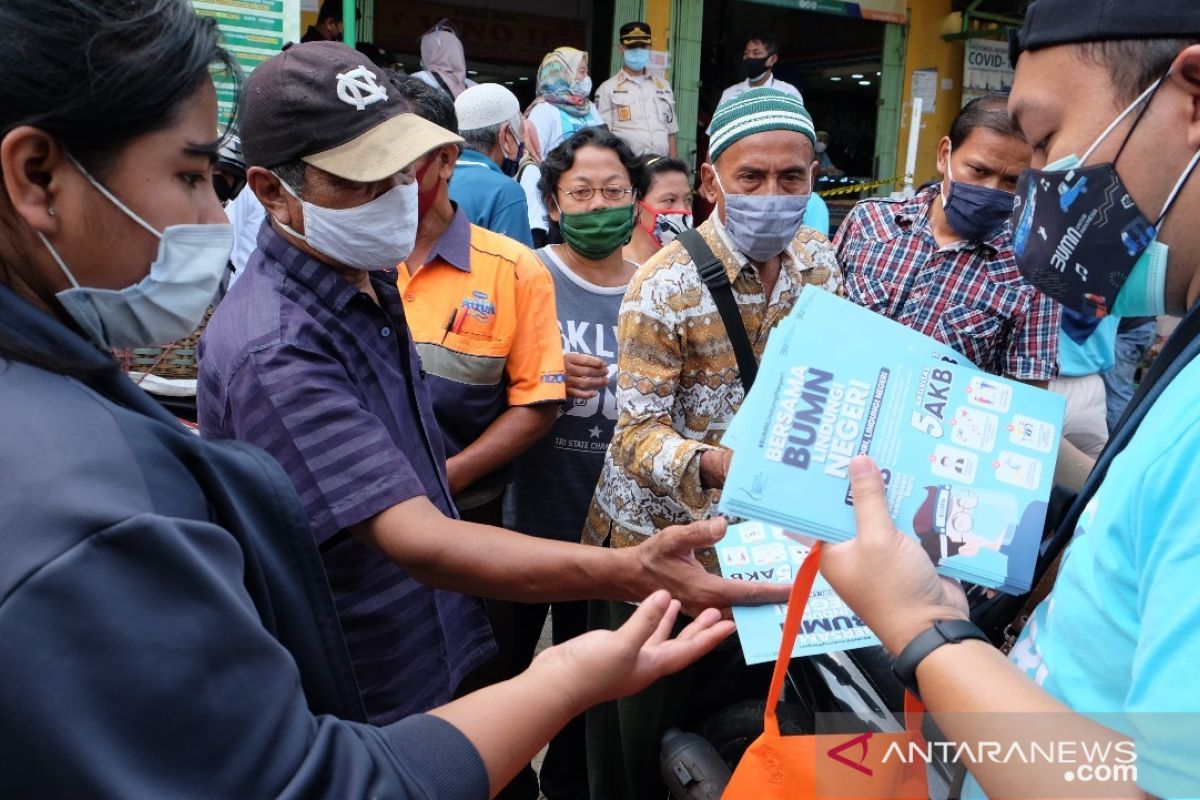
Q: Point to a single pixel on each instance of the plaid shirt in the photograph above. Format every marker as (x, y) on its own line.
(968, 295)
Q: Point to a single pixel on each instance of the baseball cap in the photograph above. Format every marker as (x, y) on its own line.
(1054, 22)
(328, 105)
(485, 105)
(635, 34)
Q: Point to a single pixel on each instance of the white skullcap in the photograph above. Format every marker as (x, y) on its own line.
(485, 105)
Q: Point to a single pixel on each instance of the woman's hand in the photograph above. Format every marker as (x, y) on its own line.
(586, 375)
(884, 575)
(604, 665)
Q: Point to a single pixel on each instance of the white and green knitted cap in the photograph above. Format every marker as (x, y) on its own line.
(756, 111)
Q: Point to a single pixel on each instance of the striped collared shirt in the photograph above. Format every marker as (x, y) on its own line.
(300, 363)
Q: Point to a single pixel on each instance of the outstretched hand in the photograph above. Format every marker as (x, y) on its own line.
(884, 575)
(604, 665)
(667, 560)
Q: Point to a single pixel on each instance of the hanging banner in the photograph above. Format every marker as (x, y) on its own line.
(252, 31)
(985, 68)
(878, 10)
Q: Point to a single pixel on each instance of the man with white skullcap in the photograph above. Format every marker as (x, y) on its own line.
(483, 186)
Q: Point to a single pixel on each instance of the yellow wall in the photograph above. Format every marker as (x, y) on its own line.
(307, 18)
(927, 49)
(658, 17)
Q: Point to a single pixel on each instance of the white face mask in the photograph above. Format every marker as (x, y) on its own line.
(169, 302)
(376, 235)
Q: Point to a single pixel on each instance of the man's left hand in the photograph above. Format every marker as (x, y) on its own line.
(667, 560)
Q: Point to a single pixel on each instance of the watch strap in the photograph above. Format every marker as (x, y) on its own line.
(944, 631)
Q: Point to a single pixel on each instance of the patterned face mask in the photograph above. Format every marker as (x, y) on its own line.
(667, 223)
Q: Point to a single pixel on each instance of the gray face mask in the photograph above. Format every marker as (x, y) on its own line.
(169, 302)
(761, 226)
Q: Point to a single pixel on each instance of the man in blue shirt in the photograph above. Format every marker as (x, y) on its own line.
(489, 121)
(1105, 667)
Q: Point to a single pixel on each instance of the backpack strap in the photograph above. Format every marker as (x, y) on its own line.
(712, 273)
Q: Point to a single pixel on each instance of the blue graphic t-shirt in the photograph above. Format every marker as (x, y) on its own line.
(1118, 639)
(555, 478)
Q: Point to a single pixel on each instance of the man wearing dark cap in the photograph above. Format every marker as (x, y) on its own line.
(1106, 92)
(311, 359)
(329, 27)
(637, 105)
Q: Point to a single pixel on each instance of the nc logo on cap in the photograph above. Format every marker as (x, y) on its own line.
(358, 88)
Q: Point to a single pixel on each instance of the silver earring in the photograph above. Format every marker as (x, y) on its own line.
(51, 211)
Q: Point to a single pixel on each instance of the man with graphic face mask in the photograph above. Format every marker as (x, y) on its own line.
(311, 358)
(679, 379)
(942, 262)
(1107, 93)
(483, 184)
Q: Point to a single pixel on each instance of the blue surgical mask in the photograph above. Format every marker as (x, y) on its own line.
(761, 226)
(976, 213)
(162, 307)
(1079, 237)
(511, 166)
(637, 58)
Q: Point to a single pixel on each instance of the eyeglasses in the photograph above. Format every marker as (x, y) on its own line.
(581, 194)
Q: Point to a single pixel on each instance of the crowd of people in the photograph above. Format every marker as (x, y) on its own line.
(470, 364)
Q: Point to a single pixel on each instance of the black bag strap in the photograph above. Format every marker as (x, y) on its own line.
(1003, 611)
(712, 273)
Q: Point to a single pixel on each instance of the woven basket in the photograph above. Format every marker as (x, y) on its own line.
(175, 360)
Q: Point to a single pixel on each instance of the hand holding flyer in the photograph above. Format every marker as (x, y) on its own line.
(968, 458)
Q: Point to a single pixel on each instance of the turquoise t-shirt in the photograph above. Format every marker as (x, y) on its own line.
(1118, 639)
(816, 214)
(1095, 354)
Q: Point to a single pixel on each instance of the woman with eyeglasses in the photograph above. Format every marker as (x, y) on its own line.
(591, 184)
(665, 211)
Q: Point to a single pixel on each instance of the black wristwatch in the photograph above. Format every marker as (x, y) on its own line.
(944, 631)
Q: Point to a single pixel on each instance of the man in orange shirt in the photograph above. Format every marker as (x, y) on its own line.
(481, 310)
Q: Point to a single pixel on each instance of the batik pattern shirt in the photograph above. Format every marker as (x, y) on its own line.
(677, 379)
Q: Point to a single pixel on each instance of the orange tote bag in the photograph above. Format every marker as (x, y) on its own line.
(825, 766)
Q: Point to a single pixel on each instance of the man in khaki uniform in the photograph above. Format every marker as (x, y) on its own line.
(637, 106)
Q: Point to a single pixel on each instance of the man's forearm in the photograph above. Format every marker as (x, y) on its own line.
(485, 561)
(510, 435)
(1073, 466)
(654, 453)
(978, 697)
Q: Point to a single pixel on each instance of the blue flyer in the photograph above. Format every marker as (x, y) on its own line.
(754, 551)
(968, 457)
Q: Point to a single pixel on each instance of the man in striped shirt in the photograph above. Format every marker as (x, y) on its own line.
(310, 358)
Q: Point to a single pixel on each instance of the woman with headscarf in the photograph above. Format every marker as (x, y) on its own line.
(564, 90)
(562, 107)
(444, 62)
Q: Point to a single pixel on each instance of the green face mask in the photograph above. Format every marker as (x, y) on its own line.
(596, 234)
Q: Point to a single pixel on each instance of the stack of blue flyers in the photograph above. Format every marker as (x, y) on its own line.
(752, 551)
(968, 457)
